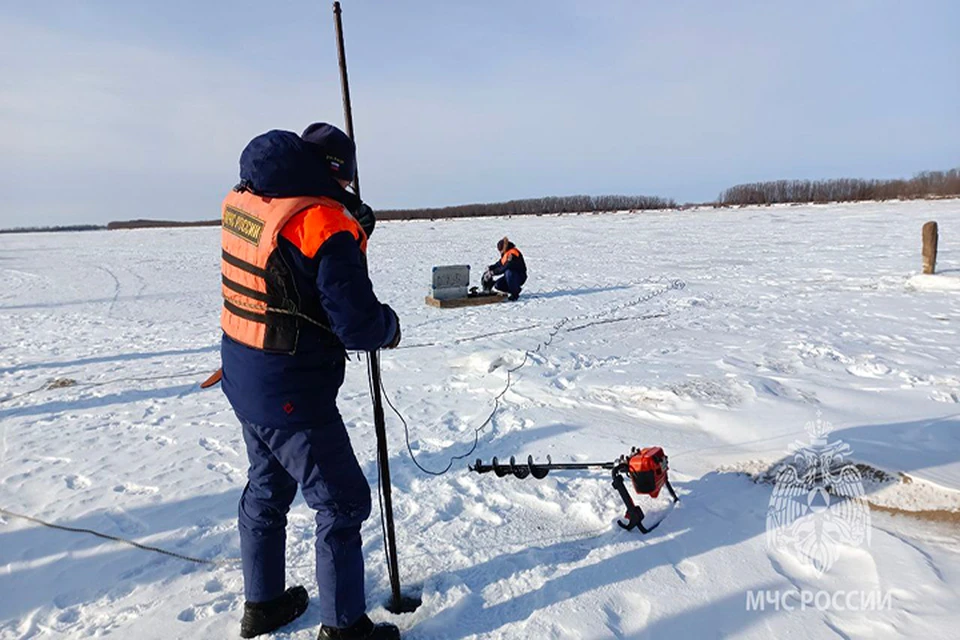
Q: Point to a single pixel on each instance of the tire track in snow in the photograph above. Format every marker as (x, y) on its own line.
(116, 287)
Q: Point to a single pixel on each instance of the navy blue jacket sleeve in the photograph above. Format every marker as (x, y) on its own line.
(361, 321)
(499, 269)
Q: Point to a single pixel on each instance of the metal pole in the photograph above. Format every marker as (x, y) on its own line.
(398, 603)
(345, 87)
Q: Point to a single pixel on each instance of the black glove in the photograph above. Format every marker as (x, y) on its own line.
(366, 218)
(487, 280)
(396, 336)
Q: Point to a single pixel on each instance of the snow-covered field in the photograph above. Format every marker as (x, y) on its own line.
(789, 314)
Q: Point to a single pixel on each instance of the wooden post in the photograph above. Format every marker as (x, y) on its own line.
(930, 238)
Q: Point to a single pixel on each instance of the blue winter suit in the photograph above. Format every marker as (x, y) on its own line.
(513, 268)
(286, 401)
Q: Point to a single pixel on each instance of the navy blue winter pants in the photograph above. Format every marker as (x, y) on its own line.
(321, 461)
(510, 283)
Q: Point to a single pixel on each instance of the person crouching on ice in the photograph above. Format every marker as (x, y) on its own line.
(296, 297)
(511, 266)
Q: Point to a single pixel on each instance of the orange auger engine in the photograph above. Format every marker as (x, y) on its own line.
(646, 468)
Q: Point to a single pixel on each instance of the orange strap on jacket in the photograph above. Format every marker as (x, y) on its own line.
(509, 253)
(309, 229)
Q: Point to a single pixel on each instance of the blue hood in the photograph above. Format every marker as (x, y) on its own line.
(279, 164)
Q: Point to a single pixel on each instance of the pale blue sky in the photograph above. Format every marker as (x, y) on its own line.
(113, 109)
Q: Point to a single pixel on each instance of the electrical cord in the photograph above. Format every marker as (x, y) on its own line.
(497, 401)
(536, 325)
(674, 285)
(106, 536)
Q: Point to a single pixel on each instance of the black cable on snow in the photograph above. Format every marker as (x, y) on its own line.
(536, 325)
(675, 285)
(106, 536)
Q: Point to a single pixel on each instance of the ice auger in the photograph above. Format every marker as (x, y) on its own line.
(647, 469)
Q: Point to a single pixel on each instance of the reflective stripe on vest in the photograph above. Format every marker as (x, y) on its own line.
(509, 253)
(257, 308)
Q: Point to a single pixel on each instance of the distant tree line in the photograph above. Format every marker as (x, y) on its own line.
(534, 206)
(71, 227)
(157, 224)
(923, 185)
(928, 184)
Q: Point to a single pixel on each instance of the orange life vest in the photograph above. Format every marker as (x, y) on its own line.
(260, 301)
(509, 253)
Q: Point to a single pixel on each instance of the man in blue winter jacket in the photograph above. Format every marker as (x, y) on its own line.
(296, 298)
(511, 266)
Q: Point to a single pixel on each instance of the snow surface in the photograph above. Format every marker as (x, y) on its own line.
(787, 312)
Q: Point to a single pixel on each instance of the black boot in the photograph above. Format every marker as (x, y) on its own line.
(264, 617)
(362, 629)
